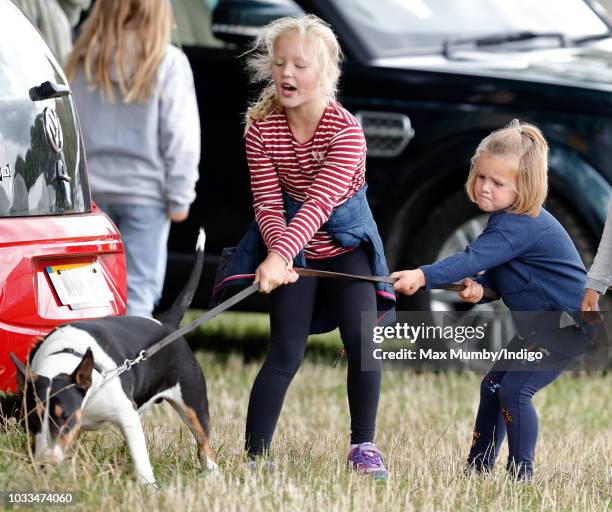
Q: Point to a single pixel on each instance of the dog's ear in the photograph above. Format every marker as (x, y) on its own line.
(23, 373)
(82, 374)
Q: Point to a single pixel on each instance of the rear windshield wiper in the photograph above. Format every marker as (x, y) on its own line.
(592, 37)
(497, 39)
(48, 90)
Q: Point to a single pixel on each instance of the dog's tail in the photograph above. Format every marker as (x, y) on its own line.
(173, 315)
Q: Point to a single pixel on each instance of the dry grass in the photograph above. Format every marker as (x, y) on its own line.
(424, 428)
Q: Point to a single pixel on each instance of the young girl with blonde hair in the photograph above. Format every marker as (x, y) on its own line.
(306, 157)
(530, 261)
(139, 115)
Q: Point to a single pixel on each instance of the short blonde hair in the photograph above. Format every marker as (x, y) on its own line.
(327, 56)
(105, 42)
(525, 144)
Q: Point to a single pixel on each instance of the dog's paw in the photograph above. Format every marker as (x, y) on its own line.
(148, 483)
(211, 468)
(151, 487)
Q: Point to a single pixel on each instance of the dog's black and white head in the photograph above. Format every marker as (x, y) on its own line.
(52, 412)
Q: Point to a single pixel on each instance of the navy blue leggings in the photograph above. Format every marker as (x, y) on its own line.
(505, 402)
(291, 309)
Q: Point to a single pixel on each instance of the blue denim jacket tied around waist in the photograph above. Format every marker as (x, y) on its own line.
(351, 224)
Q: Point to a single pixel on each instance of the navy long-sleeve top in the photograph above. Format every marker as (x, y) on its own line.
(531, 262)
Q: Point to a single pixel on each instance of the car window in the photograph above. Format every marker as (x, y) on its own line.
(193, 23)
(42, 166)
(402, 26)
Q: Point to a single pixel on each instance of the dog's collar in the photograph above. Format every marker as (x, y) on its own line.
(69, 350)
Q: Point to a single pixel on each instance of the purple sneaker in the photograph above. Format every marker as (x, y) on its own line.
(367, 460)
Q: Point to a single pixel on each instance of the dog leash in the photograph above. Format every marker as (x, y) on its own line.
(157, 346)
(235, 299)
(455, 287)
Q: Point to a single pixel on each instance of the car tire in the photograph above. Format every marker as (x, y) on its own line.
(582, 238)
(586, 243)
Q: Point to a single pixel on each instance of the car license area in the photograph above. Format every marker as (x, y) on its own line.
(80, 285)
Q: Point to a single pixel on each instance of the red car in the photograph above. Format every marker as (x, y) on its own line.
(61, 258)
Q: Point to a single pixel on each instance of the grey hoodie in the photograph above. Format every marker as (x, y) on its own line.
(144, 153)
(600, 275)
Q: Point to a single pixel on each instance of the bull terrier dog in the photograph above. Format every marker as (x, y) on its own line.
(62, 381)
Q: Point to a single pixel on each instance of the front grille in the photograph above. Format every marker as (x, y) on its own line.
(386, 133)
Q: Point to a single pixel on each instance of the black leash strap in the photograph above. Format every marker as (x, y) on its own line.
(307, 272)
(157, 346)
(455, 287)
(235, 299)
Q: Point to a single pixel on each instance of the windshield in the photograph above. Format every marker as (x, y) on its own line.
(42, 166)
(392, 27)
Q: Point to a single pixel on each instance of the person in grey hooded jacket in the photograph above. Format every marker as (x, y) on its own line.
(600, 274)
(137, 106)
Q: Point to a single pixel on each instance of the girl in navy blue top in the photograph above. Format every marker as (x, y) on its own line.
(530, 261)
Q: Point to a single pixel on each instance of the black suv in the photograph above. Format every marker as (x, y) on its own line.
(428, 80)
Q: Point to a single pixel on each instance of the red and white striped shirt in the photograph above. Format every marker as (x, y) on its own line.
(322, 173)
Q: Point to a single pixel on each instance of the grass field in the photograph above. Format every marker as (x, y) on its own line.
(424, 427)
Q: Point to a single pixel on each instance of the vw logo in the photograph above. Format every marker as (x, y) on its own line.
(53, 129)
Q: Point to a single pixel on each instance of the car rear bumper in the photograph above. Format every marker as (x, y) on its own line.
(29, 304)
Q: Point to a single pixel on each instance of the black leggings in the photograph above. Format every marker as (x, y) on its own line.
(291, 309)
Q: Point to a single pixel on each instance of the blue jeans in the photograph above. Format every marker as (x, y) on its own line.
(144, 231)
